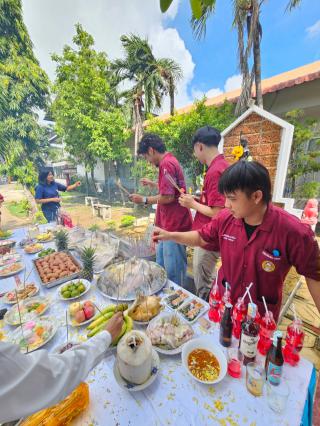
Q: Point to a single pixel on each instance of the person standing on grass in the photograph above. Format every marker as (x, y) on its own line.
(47, 194)
(205, 145)
(170, 215)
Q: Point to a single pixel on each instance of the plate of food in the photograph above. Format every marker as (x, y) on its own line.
(33, 248)
(34, 334)
(45, 237)
(168, 334)
(81, 313)
(6, 246)
(144, 308)
(193, 309)
(176, 299)
(45, 252)
(8, 258)
(29, 309)
(12, 269)
(22, 292)
(204, 360)
(5, 234)
(56, 268)
(73, 289)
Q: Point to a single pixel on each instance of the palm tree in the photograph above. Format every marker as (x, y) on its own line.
(150, 79)
(246, 20)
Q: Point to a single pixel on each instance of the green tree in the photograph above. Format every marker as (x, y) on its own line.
(23, 88)
(150, 80)
(85, 110)
(177, 132)
(303, 159)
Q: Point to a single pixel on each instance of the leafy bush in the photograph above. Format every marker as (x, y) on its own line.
(111, 225)
(94, 228)
(39, 218)
(127, 221)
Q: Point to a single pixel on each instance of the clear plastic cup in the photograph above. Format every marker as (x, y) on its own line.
(277, 396)
(235, 359)
(255, 378)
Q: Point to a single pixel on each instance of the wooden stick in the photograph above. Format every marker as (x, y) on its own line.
(18, 304)
(67, 326)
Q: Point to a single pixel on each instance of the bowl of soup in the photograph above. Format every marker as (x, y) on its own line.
(204, 360)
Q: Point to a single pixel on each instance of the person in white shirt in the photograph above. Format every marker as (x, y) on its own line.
(29, 383)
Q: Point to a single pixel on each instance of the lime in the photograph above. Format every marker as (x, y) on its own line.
(75, 293)
(66, 294)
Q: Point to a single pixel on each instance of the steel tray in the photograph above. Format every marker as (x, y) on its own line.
(60, 280)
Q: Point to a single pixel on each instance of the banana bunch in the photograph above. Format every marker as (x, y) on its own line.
(102, 319)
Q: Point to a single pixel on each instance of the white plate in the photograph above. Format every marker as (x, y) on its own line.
(165, 300)
(11, 273)
(5, 300)
(207, 343)
(16, 336)
(135, 388)
(12, 258)
(73, 323)
(33, 252)
(169, 351)
(30, 316)
(85, 282)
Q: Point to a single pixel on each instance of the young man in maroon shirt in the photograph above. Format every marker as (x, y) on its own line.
(205, 145)
(258, 242)
(170, 215)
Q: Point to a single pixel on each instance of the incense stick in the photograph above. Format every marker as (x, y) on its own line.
(18, 304)
(172, 181)
(67, 326)
(119, 184)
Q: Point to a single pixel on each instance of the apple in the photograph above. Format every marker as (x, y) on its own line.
(80, 316)
(89, 312)
(87, 303)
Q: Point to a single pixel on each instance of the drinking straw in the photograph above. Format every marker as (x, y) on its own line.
(246, 292)
(67, 326)
(294, 312)
(265, 307)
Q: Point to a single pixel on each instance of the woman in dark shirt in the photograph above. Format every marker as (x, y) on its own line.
(47, 194)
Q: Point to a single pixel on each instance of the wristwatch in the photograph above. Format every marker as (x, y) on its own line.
(145, 200)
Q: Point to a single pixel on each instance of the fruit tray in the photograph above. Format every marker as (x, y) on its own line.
(63, 279)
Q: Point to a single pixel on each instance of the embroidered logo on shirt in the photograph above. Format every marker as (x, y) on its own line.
(229, 237)
(268, 266)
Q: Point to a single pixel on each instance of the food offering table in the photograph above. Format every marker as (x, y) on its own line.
(174, 398)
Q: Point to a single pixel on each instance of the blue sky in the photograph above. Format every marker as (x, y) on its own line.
(286, 43)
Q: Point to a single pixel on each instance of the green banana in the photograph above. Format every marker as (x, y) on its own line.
(97, 329)
(100, 320)
(126, 326)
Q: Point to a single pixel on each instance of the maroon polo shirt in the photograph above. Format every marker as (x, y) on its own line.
(172, 216)
(281, 241)
(210, 196)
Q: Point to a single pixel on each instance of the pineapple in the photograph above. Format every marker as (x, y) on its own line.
(87, 257)
(61, 238)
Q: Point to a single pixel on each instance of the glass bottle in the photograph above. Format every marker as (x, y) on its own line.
(274, 360)
(214, 302)
(267, 328)
(294, 342)
(249, 335)
(238, 315)
(226, 326)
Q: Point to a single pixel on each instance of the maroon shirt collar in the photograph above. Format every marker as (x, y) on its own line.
(266, 224)
(218, 157)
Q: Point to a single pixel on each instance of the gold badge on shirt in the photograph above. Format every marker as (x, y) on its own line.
(268, 266)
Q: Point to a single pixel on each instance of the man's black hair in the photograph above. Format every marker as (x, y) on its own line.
(207, 135)
(151, 140)
(246, 176)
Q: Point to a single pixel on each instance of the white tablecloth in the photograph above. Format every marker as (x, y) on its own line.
(174, 398)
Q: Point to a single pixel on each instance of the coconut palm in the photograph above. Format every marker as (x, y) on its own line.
(246, 21)
(150, 79)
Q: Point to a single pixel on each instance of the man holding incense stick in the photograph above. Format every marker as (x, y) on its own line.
(205, 146)
(258, 242)
(170, 215)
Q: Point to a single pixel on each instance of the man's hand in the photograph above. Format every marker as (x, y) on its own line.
(136, 198)
(114, 325)
(55, 200)
(147, 182)
(187, 200)
(160, 235)
(76, 184)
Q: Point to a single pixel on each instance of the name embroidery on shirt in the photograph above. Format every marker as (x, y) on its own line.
(229, 237)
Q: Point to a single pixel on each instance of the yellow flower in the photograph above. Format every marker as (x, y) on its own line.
(237, 152)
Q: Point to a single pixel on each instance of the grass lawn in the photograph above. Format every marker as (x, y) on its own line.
(17, 210)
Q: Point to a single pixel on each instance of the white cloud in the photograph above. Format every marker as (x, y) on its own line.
(233, 83)
(314, 30)
(51, 26)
